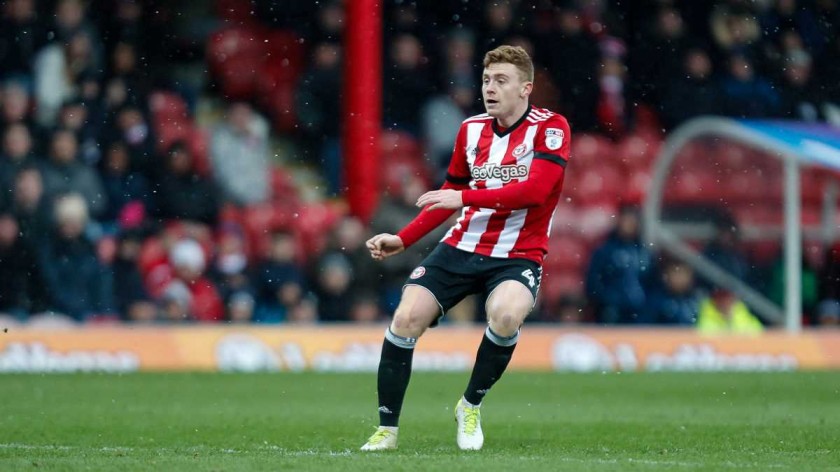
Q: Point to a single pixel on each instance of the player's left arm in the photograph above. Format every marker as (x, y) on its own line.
(551, 153)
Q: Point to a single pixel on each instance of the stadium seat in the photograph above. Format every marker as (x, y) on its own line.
(558, 284)
(600, 184)
(638, 151)
(234, 57)
(594, 221)
(566, 254)
(565, 219)
(171, 132)
(197, 142)
(168, 107)
(588, 150)
(400, 145)
(692, 186)
(283, 186)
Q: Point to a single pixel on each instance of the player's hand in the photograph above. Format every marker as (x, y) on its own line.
(384, 245)
(447, 199)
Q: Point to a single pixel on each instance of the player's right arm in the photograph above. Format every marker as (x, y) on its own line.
(385, 245)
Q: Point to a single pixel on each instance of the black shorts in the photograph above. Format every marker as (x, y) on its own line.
(452, 274)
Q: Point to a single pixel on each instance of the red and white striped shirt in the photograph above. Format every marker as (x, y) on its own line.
(511, 181)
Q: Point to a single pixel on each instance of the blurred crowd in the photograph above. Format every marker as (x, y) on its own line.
(115, 205)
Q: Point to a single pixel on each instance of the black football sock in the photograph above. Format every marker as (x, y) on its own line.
(492, 359)
(394, 374)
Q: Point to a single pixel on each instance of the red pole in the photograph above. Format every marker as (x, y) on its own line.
(362, 105)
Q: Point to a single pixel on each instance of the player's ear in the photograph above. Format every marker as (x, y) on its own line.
(526, 89)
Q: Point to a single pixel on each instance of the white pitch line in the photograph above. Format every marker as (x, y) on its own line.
(346, 453)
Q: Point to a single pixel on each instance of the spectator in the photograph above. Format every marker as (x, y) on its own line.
(735, 30)
(124, 68)
(578, 85)
(442, 116)
(279, 280)
(722, 312)
(59, 69)
(63, 173)
(240, 156)
(723, 249)
(658, 55)
(130, 126)
(459, 61)
(318, 104)
(348, 238)
(186, 293)
(122, 186)
(22, 35)
(20, 280)
(828, 313)
(695, 94)
(333, 279)
(15, 104)
(407, 81)
(76, 116)
(30, 206)
(746, 94)
(132, 299)
(230, 271)
(365, 308)
(240, 307)
(620, 271)
(15, 154)
(184, 194)
(77, 284)
(800, 96)
(675, 300)
(612, 106)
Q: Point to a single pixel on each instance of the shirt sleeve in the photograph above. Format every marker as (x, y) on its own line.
(424, 222)
(553, 141)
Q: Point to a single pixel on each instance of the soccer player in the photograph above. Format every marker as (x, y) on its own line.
(505, 175)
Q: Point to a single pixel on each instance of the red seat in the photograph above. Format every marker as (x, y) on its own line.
(595, 185)
(638, 151)
(565, 219)
(197, 143)
(400, 145)
(595, 221)
(686, 186)
(168, 107)
(395, 171)
(171, 132)
(566, 254)
(283, 185)
(589, 150)
(558, 284)
(235, 56)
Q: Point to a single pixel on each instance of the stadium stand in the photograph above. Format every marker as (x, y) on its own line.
(620, 109)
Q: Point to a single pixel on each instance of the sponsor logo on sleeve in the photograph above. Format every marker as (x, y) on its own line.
(554, 138)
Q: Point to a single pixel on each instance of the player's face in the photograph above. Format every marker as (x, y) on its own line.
(503, 90)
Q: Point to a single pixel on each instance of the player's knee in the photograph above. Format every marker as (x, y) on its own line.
(408, 322)
(505, 323)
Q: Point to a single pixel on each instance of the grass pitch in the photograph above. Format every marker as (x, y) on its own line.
(534, 422)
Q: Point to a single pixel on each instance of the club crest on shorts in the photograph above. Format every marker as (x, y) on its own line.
(418, 272)
(519, 151)
(554, 138)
